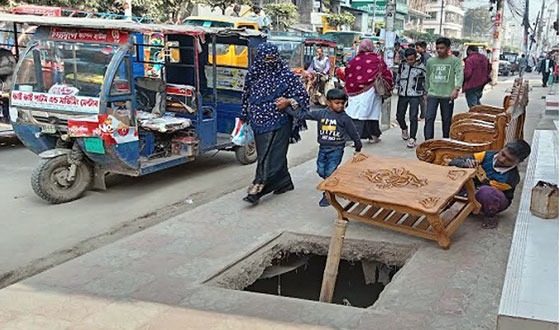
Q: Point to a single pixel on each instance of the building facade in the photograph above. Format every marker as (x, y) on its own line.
(416, 15)
(445, 18)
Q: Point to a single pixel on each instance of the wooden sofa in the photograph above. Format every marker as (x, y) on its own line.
(482, 128)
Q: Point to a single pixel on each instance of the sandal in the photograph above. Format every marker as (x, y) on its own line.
(489, 223)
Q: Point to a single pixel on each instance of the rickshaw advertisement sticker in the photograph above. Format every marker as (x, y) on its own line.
(107, 127)
(87, 35)
(47, 101)
(226, 78)
(94, 145)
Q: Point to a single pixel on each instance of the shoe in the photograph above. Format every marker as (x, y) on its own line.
(253, 199)
(324, 202)
(287, 188)
(404, 134)
(374, 139)
(411, 143)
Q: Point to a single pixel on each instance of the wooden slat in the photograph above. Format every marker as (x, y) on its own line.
(383, 214)
(349, 206)
(423, 225)
(370, 212)
(459, 219)
(358, 209)
(410, 220)
(449, 214)
(407, 230)
(395, 217)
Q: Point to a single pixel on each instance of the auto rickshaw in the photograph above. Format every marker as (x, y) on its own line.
(124, 98)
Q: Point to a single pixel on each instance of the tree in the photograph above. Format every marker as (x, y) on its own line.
(477, 21)
(283, 15)
(338, 20)
(223, 4)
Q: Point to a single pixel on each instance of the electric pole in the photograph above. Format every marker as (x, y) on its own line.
(390, 38)
(497, 40)
(441, 18)
(526, 29)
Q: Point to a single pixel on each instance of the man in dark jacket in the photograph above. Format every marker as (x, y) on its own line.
(7, 66)
(411, 77)
(477, 74)
(546, 68)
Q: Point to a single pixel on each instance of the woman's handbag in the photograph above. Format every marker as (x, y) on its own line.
(382, 87)
(242, 134)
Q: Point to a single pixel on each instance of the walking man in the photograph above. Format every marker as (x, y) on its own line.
(477, 74)
(411, 77)
(421, 48)
(444, 78)
(523, 63)
(547, 67)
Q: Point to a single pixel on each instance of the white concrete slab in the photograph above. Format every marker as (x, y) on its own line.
(530, 293)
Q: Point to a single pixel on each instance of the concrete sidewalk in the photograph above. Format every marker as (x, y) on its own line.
(155, 279)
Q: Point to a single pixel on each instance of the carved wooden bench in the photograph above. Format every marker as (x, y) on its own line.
(473, 132)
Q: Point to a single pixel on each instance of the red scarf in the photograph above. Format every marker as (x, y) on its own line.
(362, 70)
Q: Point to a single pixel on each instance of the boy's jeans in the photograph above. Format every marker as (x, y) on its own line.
(402, 106)
(328, 160)
(446, 105)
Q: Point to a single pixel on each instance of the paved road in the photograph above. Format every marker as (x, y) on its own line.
(38, 235)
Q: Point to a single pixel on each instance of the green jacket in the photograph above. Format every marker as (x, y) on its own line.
(443, 75)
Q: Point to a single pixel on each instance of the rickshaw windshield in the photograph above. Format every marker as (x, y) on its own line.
(64, 68)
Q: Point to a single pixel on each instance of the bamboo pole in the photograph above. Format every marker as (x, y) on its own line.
(333, 260)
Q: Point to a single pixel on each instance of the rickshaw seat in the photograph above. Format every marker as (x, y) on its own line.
(156, 91)
(163, 124)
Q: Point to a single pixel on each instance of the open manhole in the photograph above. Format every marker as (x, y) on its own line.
(292, 265)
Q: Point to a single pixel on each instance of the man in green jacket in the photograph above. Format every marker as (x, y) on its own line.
(444, 78)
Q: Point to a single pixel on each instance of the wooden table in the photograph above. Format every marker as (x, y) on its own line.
(404, 195)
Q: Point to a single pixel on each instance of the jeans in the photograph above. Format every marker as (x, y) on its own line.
(328, 160)
(402, 105)
(473, 96)
(446, 105)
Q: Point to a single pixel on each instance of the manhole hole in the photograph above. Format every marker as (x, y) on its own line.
(292, 265)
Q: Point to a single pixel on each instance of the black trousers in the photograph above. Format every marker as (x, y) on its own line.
(402, 105)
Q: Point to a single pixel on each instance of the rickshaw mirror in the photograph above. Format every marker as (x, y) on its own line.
(172, 52)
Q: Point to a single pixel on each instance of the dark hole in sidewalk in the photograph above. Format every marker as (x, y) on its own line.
(292, 265)
(300, 276)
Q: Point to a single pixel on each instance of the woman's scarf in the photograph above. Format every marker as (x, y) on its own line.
(268, 79)
(362, 70)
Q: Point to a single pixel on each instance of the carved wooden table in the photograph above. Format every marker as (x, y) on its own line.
(404, 195)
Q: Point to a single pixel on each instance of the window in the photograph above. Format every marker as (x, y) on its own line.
(66, 68)
(433, 14)
(207, 23)
(121, 81)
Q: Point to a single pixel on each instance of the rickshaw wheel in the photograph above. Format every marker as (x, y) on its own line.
(49, 180)
(246, 154)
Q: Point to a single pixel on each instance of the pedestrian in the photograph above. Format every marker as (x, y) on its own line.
(364, 104)
(269, 86)
(444, 78)
(261, 18)
(546, 68)
(411, 78)
(523, 64)
(399, 53)
(476, 75)
(236, 12)
(496, 177)
(421, 48)
(333, 128)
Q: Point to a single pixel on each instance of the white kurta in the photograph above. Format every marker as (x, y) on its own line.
(365, 106)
